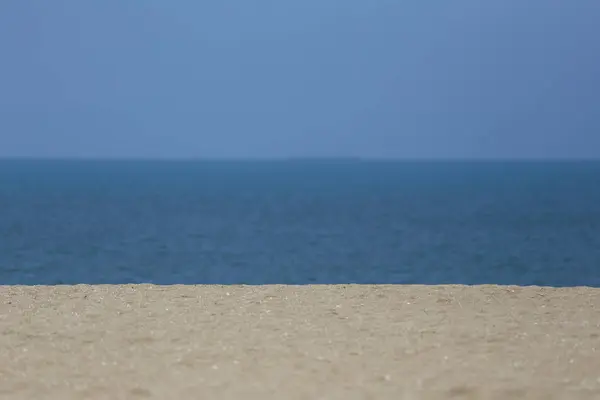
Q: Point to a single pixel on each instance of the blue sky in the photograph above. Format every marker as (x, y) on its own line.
(278, 78)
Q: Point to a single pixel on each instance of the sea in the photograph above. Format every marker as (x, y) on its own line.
(300, 221)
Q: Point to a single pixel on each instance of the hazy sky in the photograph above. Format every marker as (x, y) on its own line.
(279, 78)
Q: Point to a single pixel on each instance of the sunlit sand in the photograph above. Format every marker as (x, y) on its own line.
(299, 342)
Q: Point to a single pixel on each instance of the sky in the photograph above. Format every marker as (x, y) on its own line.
(311, 78)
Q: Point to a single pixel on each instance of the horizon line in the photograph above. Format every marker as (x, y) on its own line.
(300, 158)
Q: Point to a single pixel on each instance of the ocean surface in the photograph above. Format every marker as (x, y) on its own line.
(299, 222)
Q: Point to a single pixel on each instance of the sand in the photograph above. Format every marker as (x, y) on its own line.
(299, 342)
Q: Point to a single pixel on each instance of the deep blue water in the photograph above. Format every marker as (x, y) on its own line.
(300, 222)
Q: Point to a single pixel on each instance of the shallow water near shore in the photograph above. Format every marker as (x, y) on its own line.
(299, 222)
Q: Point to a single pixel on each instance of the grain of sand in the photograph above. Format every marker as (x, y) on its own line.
(299, 342)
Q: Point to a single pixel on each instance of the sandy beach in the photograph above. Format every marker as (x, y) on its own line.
(299, 342)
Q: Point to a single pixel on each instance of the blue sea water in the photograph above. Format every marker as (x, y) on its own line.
(299, 222)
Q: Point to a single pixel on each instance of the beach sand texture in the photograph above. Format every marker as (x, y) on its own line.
(299, 342)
